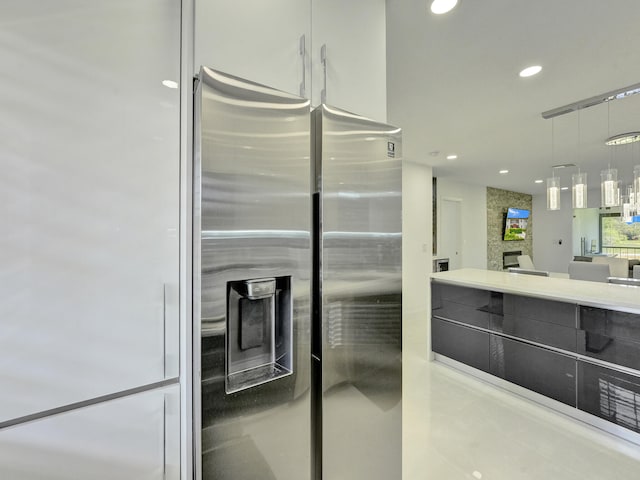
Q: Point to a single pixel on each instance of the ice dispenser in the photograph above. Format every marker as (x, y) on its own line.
(259, 334)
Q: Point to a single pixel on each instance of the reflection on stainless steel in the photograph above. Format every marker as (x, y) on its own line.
(253, 219)
(358, 176)
(619, 403)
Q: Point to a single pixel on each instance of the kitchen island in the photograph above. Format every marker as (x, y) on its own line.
(572, 345)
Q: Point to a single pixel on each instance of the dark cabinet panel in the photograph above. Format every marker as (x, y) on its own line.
(473, 297)
(536, 331)
(609, 394)
(548, 311)
(464, 314)
(463, 344)
(466, 305)
(545, 372)
(610, 336)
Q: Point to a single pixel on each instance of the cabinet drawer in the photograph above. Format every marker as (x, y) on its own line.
(547, 311)
(467, 305)
(473, 297)
(610, 336)
(463, 344)
(608, 394)
(464, 314)
(536, 331)
(547, 373)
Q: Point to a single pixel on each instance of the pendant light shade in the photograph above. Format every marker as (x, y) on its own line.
(610, 193)
(636, 188)
(579, 190)
(553, 193)
(628, 209)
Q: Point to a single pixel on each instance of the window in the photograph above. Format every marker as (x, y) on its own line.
(619, 238)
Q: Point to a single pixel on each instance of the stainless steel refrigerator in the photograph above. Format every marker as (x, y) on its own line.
(282, 241)
(357, 297)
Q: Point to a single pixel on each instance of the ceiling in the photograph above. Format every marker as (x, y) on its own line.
(453, 87)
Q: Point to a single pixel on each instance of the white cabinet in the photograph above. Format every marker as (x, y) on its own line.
(255, 39)
(133, 437)
(89, 154)
(259, 40)
(354, 33)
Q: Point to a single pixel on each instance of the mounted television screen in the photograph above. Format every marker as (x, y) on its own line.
(515, 225)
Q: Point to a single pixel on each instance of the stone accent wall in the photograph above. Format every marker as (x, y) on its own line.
(498, 201)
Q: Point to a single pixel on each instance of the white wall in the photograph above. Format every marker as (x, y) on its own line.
(552, 234)
(473, 200)
(416, 255)
(416, 303)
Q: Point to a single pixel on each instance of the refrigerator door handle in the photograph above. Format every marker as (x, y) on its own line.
(323, 61)
(303, 56)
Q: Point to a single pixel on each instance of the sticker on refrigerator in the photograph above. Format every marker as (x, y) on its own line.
(391, 150)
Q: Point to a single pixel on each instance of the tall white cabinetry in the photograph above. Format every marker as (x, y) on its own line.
(256, 39)
(354, 35)
(261, 41)
(89, 202)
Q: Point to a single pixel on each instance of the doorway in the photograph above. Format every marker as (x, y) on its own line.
(451, 231)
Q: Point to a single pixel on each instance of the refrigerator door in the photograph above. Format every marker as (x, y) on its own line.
(357, 340)
(252, 280)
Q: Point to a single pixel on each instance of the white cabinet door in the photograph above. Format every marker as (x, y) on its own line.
(129, 438)
(255, 39)
(354, 33)
(89, 154)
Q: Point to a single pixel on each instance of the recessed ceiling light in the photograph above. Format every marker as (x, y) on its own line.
(443, 6)
(530, 71)
(539, 181)
(452, 157)
(503, 172)
(564, 188)
(623, 139)
(170, 83)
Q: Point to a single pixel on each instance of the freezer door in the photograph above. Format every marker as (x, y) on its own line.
(252, 286)
(359, 238)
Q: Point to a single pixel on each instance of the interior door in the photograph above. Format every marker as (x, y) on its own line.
(450, 227)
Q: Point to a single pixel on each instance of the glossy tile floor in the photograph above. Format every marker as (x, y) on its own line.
(457, 428)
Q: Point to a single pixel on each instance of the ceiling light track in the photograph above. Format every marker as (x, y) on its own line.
(593, 101)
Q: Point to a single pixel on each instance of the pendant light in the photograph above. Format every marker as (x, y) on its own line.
(553, 183)
(636, 187)
(609, 190)
(553, 193)
(627, 208)
(579, 180)
(636, 183)
(579, 190)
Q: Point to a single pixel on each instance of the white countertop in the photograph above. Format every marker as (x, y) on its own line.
(593, 294)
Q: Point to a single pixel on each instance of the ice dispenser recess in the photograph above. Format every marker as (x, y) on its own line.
(259, 334)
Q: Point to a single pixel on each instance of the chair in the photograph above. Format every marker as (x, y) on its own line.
(524, 261)
(527, 271)
(619, 266)
(636, 271)
(593, 272)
